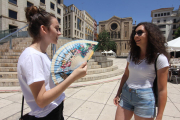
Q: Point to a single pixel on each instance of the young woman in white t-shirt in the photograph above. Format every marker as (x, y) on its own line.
(135, 95)
(43, 97)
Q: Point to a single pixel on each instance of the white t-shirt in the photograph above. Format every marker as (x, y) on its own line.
(142, 75)
(34, 66)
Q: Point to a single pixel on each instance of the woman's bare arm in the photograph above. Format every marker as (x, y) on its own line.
(123, 80)
(162, 75)
(43, 97)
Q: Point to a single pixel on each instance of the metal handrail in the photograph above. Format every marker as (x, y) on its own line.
(13, 33)
(10, 35)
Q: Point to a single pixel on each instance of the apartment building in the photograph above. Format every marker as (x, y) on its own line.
(12, 14)
(74, 23)
(168, 20)
(95, 30)
(89, 26)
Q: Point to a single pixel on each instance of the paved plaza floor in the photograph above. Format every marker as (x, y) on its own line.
(91, 102)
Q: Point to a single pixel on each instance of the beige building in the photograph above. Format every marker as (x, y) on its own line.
(168, 20)
(12, 14)
(74, 23)
(89, 26)
(119, 30)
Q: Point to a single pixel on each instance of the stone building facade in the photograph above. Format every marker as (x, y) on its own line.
(74, 22)
(119, 30)
(12, 14)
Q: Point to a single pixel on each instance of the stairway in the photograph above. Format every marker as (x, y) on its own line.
(9, 59)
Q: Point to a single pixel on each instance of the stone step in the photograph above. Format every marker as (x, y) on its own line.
(92, 63)
(19, 48)
(94, 66)
(8, 69)
(9, 82)
(8, 75)
(91, 60)
(4, 50)
(9, 57)
(14, 50)
(101, 70)
(22, 44)
(26, 42)
(2, 47)
(106, 63)
(12, 53)
(8, 64)
(11, 72)
(101, 75)
(8, 60)
(15, 82)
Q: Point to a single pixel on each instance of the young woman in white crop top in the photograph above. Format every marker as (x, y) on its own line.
(43, 97)
(135, 94)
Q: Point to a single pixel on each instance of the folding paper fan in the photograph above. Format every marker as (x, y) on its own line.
(69, 57)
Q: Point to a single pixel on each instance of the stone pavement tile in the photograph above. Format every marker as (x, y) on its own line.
(4, 102)
(175, 98)
(16, 98)
(88, 111)
(116, 88)
(168, 100)
(16, 116)
(175, 85)
(65, 117)
(71, 104)
(113, 83)
(10, 109)
(92, 87)
(73, 119)
(170, 118)
(171, 110)
(170, 85)
(173, 90)
(71, 91)
(99, 97)
(110, 100)
(83, 94)
(106, 89)
(177, 105)
(11, 88)
(108, 113)
(4, 95)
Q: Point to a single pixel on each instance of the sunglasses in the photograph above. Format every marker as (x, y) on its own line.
(139, 32)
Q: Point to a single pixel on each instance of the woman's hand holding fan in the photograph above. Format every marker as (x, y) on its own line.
(69, 57)
(80, 72)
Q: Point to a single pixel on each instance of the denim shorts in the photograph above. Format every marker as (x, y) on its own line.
(140, 101)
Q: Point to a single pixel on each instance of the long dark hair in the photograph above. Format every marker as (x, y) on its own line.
(36, 17)
(156, 44)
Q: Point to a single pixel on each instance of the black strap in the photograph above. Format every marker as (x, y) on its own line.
(155, 85)
(156, 68)
(22, 106)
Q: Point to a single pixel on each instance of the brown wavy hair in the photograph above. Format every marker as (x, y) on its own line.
(36, 17)
(156, 44)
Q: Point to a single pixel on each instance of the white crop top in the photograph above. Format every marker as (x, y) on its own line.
(142, 75)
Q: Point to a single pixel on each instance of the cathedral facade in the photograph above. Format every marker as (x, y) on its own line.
(119, 30)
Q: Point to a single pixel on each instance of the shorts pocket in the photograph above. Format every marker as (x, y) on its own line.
(146, 96)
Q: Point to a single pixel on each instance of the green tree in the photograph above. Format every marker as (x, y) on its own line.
(177, 33)
(104, 42)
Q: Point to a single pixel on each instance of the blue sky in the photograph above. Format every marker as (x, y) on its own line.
(139, 10)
